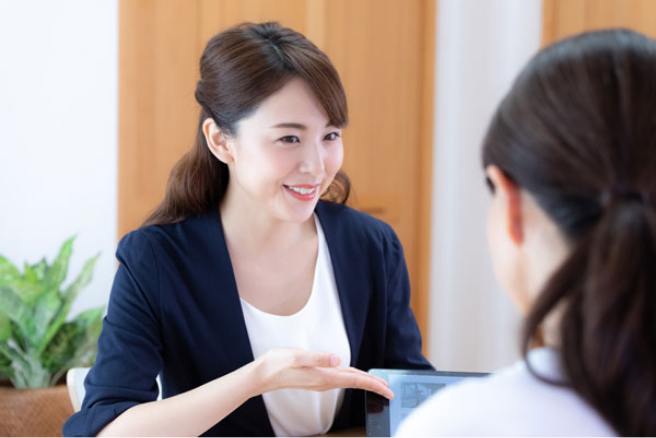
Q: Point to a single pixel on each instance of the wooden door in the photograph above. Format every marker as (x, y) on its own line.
(564, 18)
(384, 52)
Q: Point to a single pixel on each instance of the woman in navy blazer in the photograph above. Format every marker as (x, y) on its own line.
(176, 304)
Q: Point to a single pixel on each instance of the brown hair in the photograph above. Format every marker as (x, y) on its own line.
(578, 132)
(239, 68)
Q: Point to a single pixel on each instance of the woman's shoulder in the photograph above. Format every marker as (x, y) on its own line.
(511, 402)
(187, 233)
(457, 410)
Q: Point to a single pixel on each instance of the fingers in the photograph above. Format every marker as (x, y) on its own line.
(354, 378)
(364, 373)
(350, 377)
(323, 360)
(319, 371)
(366, 382)
(313, 359)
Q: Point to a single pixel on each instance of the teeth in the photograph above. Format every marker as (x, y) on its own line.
(301, 190)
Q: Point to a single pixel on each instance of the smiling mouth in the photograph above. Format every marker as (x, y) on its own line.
(303, 192)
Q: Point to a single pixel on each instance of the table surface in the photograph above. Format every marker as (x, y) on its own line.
(354, 431)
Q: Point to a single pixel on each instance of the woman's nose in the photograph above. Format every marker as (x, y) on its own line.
(312, 159)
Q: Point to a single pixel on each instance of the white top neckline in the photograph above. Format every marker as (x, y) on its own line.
(318, 326)
(308, 303)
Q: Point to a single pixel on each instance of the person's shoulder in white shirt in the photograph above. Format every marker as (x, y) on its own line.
(512, 402)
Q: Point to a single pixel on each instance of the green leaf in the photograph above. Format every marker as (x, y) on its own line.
(69, 295)
(75, 343)
(29, 274)
(91, 320)
(63, 346)
(91, 317)
(34, 375)
(8, 272)
(89, 350)
(49, 304)
(5, 327)
(57, 272)
(14, 308)
(82, 280)
(37, 345)
(18, 337)
(6, 370)
(28, 290)
(40, 269)
(47, 307)
(19, 360)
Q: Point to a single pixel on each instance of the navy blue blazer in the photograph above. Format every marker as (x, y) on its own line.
(174, 310)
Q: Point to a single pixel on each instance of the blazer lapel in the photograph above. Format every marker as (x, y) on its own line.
(235, 336)
(353, 284)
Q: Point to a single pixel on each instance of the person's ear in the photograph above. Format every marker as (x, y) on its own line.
(221, 146)
(510, 201)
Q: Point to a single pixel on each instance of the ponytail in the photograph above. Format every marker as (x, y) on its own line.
(607, 288)
(577, 132)
(196, 185)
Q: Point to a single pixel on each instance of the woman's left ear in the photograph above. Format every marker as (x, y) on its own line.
(510, 199)
(218, 142)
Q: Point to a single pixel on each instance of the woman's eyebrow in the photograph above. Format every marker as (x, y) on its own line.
(290, 125)
(294, 125)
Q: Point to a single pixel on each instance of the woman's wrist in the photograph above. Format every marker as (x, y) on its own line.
(255, 377)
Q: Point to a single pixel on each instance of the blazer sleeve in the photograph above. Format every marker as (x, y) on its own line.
(129, 348)
(403, 339)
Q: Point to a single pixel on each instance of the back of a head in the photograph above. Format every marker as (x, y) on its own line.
(578, 132)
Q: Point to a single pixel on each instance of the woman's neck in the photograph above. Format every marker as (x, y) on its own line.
(251, 229)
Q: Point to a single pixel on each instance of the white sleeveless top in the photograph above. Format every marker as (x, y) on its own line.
(318, 326)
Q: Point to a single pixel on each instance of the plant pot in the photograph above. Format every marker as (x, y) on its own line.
(34, 412)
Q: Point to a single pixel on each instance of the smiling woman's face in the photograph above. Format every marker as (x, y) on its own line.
(284, 155)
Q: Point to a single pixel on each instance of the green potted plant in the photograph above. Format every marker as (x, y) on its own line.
(39, 343)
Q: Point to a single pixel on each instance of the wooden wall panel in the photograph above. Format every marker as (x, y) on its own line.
(217, 15)
(158, 70)
(377, 48)
(563, 18)
(384, 52)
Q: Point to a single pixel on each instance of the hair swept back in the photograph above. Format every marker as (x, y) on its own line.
(239, 68)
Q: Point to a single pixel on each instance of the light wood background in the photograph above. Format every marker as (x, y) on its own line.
(563, 18)
(384, 51)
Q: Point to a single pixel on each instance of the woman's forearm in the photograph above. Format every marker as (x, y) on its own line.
(190, 413)
(197, 410)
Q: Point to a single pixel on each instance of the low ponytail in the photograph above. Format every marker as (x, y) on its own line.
(196, 185)
(607, 329)
(577, 132)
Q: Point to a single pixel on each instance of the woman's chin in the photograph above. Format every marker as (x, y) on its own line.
(299, 213)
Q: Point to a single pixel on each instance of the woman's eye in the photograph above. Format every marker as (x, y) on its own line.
(332, 136)
(290, 139)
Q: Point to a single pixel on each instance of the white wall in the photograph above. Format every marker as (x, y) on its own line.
(481, 46)
(58, 134)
